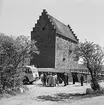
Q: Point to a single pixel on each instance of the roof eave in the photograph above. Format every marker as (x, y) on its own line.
(66, 38)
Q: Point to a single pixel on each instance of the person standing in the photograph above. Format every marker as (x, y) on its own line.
(48, 75)
(65, 79)
(73, 75)
(50, 80)
(54, 80)
(44, 79)
(41, 77)
(81, 79)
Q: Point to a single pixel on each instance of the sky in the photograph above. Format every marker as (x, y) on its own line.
(86, 17)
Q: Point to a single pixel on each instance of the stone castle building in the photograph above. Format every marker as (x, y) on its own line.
(55, 41)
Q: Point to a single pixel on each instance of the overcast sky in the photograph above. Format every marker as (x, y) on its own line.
(86, 17)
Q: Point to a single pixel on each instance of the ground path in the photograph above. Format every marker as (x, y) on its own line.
(30, 97)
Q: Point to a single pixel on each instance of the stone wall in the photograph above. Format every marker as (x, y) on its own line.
(64, 54)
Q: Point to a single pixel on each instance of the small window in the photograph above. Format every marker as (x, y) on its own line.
(43, 28)
(28, 70)
(63, 59)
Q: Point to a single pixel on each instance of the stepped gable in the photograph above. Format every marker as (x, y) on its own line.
(61, 28)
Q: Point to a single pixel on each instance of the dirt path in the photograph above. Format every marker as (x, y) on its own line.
(31, 97)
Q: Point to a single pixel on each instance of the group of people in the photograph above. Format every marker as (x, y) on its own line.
(49, 79)
(75, 79)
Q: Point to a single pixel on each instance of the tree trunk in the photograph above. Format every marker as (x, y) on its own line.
(3, 85)
(94, 82)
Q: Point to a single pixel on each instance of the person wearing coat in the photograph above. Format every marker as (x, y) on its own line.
(41, 77)
(44, 79)
(50, 80)
(55, 80)
(65, 79)
(81, 79)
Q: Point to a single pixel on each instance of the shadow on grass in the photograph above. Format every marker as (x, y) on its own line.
(63, 96)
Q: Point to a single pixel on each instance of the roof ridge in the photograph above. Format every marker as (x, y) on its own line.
(61, 28)
(58, 20)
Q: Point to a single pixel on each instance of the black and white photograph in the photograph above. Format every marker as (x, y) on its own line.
(51, 52)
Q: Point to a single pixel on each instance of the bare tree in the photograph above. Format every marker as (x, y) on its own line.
(92, 55)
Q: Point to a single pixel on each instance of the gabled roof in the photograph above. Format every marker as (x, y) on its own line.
(62, 29)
